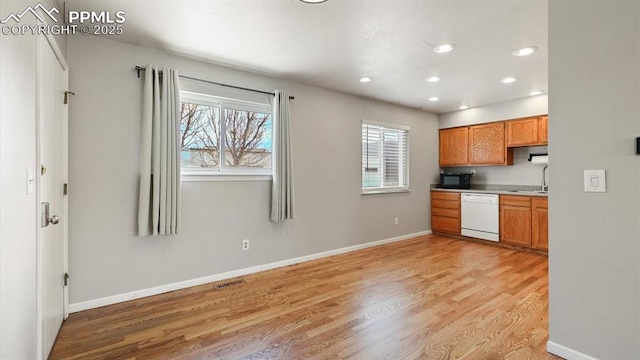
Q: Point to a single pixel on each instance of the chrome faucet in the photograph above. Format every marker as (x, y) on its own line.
(545, 187)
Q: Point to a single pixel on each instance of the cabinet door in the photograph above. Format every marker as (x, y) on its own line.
(543, 130)
(522, 132)
(515, 225)
(454, 144)
(540, 224)
(486, 144)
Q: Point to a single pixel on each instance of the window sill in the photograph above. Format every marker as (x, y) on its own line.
(191, 177)
(385, 191)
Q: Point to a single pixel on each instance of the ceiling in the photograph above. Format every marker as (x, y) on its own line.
(335, 43)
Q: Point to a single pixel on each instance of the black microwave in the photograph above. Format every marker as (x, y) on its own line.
(455, 181)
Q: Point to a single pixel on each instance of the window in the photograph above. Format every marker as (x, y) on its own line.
(220, 136)
(385, 157)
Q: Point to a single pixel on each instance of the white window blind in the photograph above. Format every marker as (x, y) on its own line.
(385, 157)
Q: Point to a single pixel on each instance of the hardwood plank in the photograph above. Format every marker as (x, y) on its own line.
(431, 297)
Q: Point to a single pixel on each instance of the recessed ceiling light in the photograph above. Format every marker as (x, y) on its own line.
(433, 79)
(434, 98)
(464, 107)
(508, 80)
(444, 48)
(525, 51)
(366, 79)
(313, 1)
(536, 92)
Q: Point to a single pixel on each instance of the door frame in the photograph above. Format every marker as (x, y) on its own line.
(51, 42)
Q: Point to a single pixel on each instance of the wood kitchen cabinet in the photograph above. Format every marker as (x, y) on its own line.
(474, 145)
(530, 131)
(487, 145)
(454, 146)
(540, 223)
(515, 220)
(543, 130)
(445, 212)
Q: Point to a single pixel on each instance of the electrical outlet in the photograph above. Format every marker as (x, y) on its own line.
(473, 171)
(397, 221)
(245, 244)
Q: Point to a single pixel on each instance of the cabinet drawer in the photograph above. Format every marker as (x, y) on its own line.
(450, 213)
(540, 202)
(441, 195)
(445, 224)
(445, 204)
(515, 200)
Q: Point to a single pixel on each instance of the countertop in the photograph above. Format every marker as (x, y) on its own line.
(522, 190)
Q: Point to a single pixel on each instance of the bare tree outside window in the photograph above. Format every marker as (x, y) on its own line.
(199, 135)
(247, 139)
(246, 142)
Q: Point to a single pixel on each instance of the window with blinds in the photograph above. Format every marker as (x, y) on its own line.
(385, 157)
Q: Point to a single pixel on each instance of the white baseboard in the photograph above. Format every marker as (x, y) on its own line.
(566, 352)
(109, 300)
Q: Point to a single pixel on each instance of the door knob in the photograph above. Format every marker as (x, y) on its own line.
(54, 219)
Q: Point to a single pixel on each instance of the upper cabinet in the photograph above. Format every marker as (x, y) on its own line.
(490, 143)
(474, 145)
(454, 146)
(527, 132)
(543, 130)
(486, 145)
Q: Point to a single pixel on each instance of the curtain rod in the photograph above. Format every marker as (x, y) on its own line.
(140, 68)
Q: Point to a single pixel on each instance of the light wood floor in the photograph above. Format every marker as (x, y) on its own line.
(427, 298)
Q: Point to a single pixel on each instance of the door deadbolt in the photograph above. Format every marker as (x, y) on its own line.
(45, 220)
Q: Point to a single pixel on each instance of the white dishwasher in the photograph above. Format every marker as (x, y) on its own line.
(480, 216)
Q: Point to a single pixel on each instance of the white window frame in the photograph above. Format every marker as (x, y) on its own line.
(386, 189)
(224, 173)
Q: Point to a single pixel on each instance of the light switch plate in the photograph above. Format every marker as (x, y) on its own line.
(594, 181)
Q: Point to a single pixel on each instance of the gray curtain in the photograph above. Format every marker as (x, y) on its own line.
(282, 189)
(159, 202)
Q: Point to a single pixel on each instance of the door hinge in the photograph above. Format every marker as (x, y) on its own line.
(66, 96)
(43, 169)
(65, 189)
(66, 279)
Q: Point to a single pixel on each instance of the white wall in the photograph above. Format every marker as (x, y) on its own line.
(594, 238)
(18, 211)
(521, 172)
(518, 108)
(106, 258)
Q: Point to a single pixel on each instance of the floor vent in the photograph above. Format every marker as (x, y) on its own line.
(227, 284)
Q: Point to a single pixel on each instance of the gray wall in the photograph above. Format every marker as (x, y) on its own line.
(594, 238)
(521, 172)
(18, 211)
(106, 258)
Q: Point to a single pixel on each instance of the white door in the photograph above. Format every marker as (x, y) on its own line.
(51, 114)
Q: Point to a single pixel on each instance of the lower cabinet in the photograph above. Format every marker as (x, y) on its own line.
(524, 221)
(540, 223)
(515, 220)
(445, 212)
